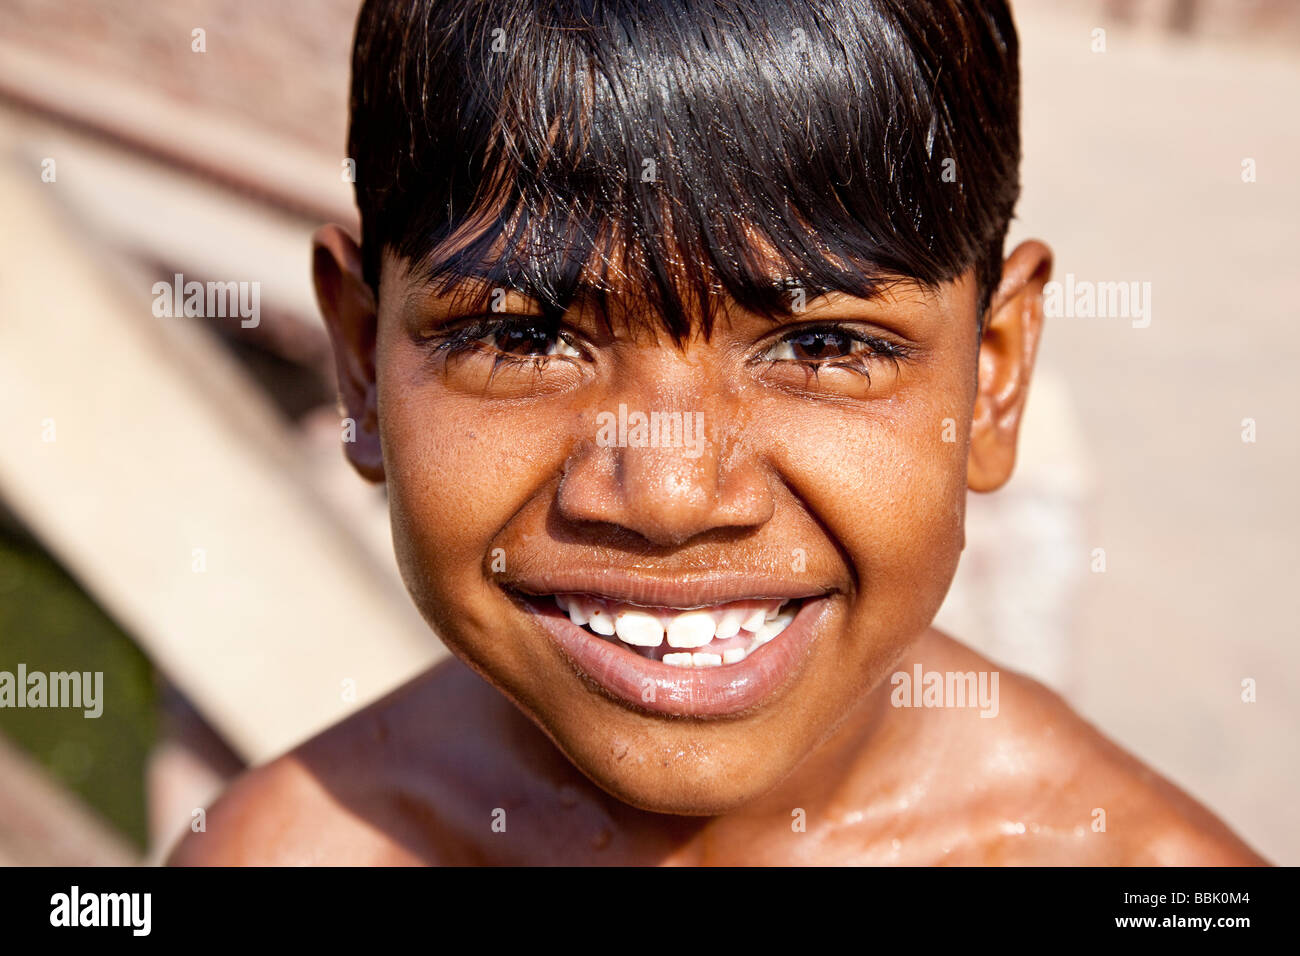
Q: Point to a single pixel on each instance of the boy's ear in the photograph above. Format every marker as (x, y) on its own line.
(1007, 349)
(348, 305)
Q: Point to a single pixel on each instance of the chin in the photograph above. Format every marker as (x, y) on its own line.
(678, 773)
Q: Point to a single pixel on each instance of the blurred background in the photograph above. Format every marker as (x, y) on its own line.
(176, 513)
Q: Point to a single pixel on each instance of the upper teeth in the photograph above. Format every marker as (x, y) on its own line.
(692, 629)
(600, 622)
(688, 630)
(639, 628)
(729, 622)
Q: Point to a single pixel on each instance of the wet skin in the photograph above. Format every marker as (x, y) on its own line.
(849, 488)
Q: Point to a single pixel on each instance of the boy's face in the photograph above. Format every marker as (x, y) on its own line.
(521, 486)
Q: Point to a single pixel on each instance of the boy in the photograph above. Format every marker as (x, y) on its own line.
(678, 332)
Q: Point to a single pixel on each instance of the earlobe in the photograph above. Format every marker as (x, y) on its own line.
(348, 306)
(1007, 350)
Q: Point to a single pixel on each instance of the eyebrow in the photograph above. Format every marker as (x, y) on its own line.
(430, 287)
(766, 295)
(584, 291)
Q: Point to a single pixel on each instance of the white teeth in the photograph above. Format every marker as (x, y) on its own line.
(729, 623)
(578, 613)
(692, 629)
(772, 628)
(601, 622)
(685, 629)
(641, 629)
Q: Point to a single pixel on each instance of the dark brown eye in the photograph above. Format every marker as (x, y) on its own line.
(814, 345)
(525, 340)
(817, 345)
(511, 338)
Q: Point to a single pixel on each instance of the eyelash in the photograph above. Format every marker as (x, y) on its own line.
(858, 362)
(467, 338)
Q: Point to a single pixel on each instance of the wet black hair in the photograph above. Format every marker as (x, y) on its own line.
(715, 145)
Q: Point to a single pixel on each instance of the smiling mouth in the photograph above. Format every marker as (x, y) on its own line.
(716, 636)
(709, 648)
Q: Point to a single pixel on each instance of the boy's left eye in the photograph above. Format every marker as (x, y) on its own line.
(825, 345)
(815, 345)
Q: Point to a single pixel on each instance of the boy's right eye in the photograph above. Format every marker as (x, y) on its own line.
(530, 339)
(510, 337)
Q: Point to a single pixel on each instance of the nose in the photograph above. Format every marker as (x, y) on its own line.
(668, 475)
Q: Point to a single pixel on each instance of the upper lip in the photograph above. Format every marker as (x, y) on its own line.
(683, 591)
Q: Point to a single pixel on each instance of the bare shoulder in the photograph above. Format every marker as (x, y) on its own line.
(280, 814)
(362, 792)
(1051, 772)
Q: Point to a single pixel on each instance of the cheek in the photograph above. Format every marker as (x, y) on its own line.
(445, 483)
(458, 471)
(891, 491)
(436, 465)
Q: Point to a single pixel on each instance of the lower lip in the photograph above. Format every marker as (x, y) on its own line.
(679, 691)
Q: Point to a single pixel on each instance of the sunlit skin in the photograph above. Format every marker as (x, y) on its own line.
(850, 486)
